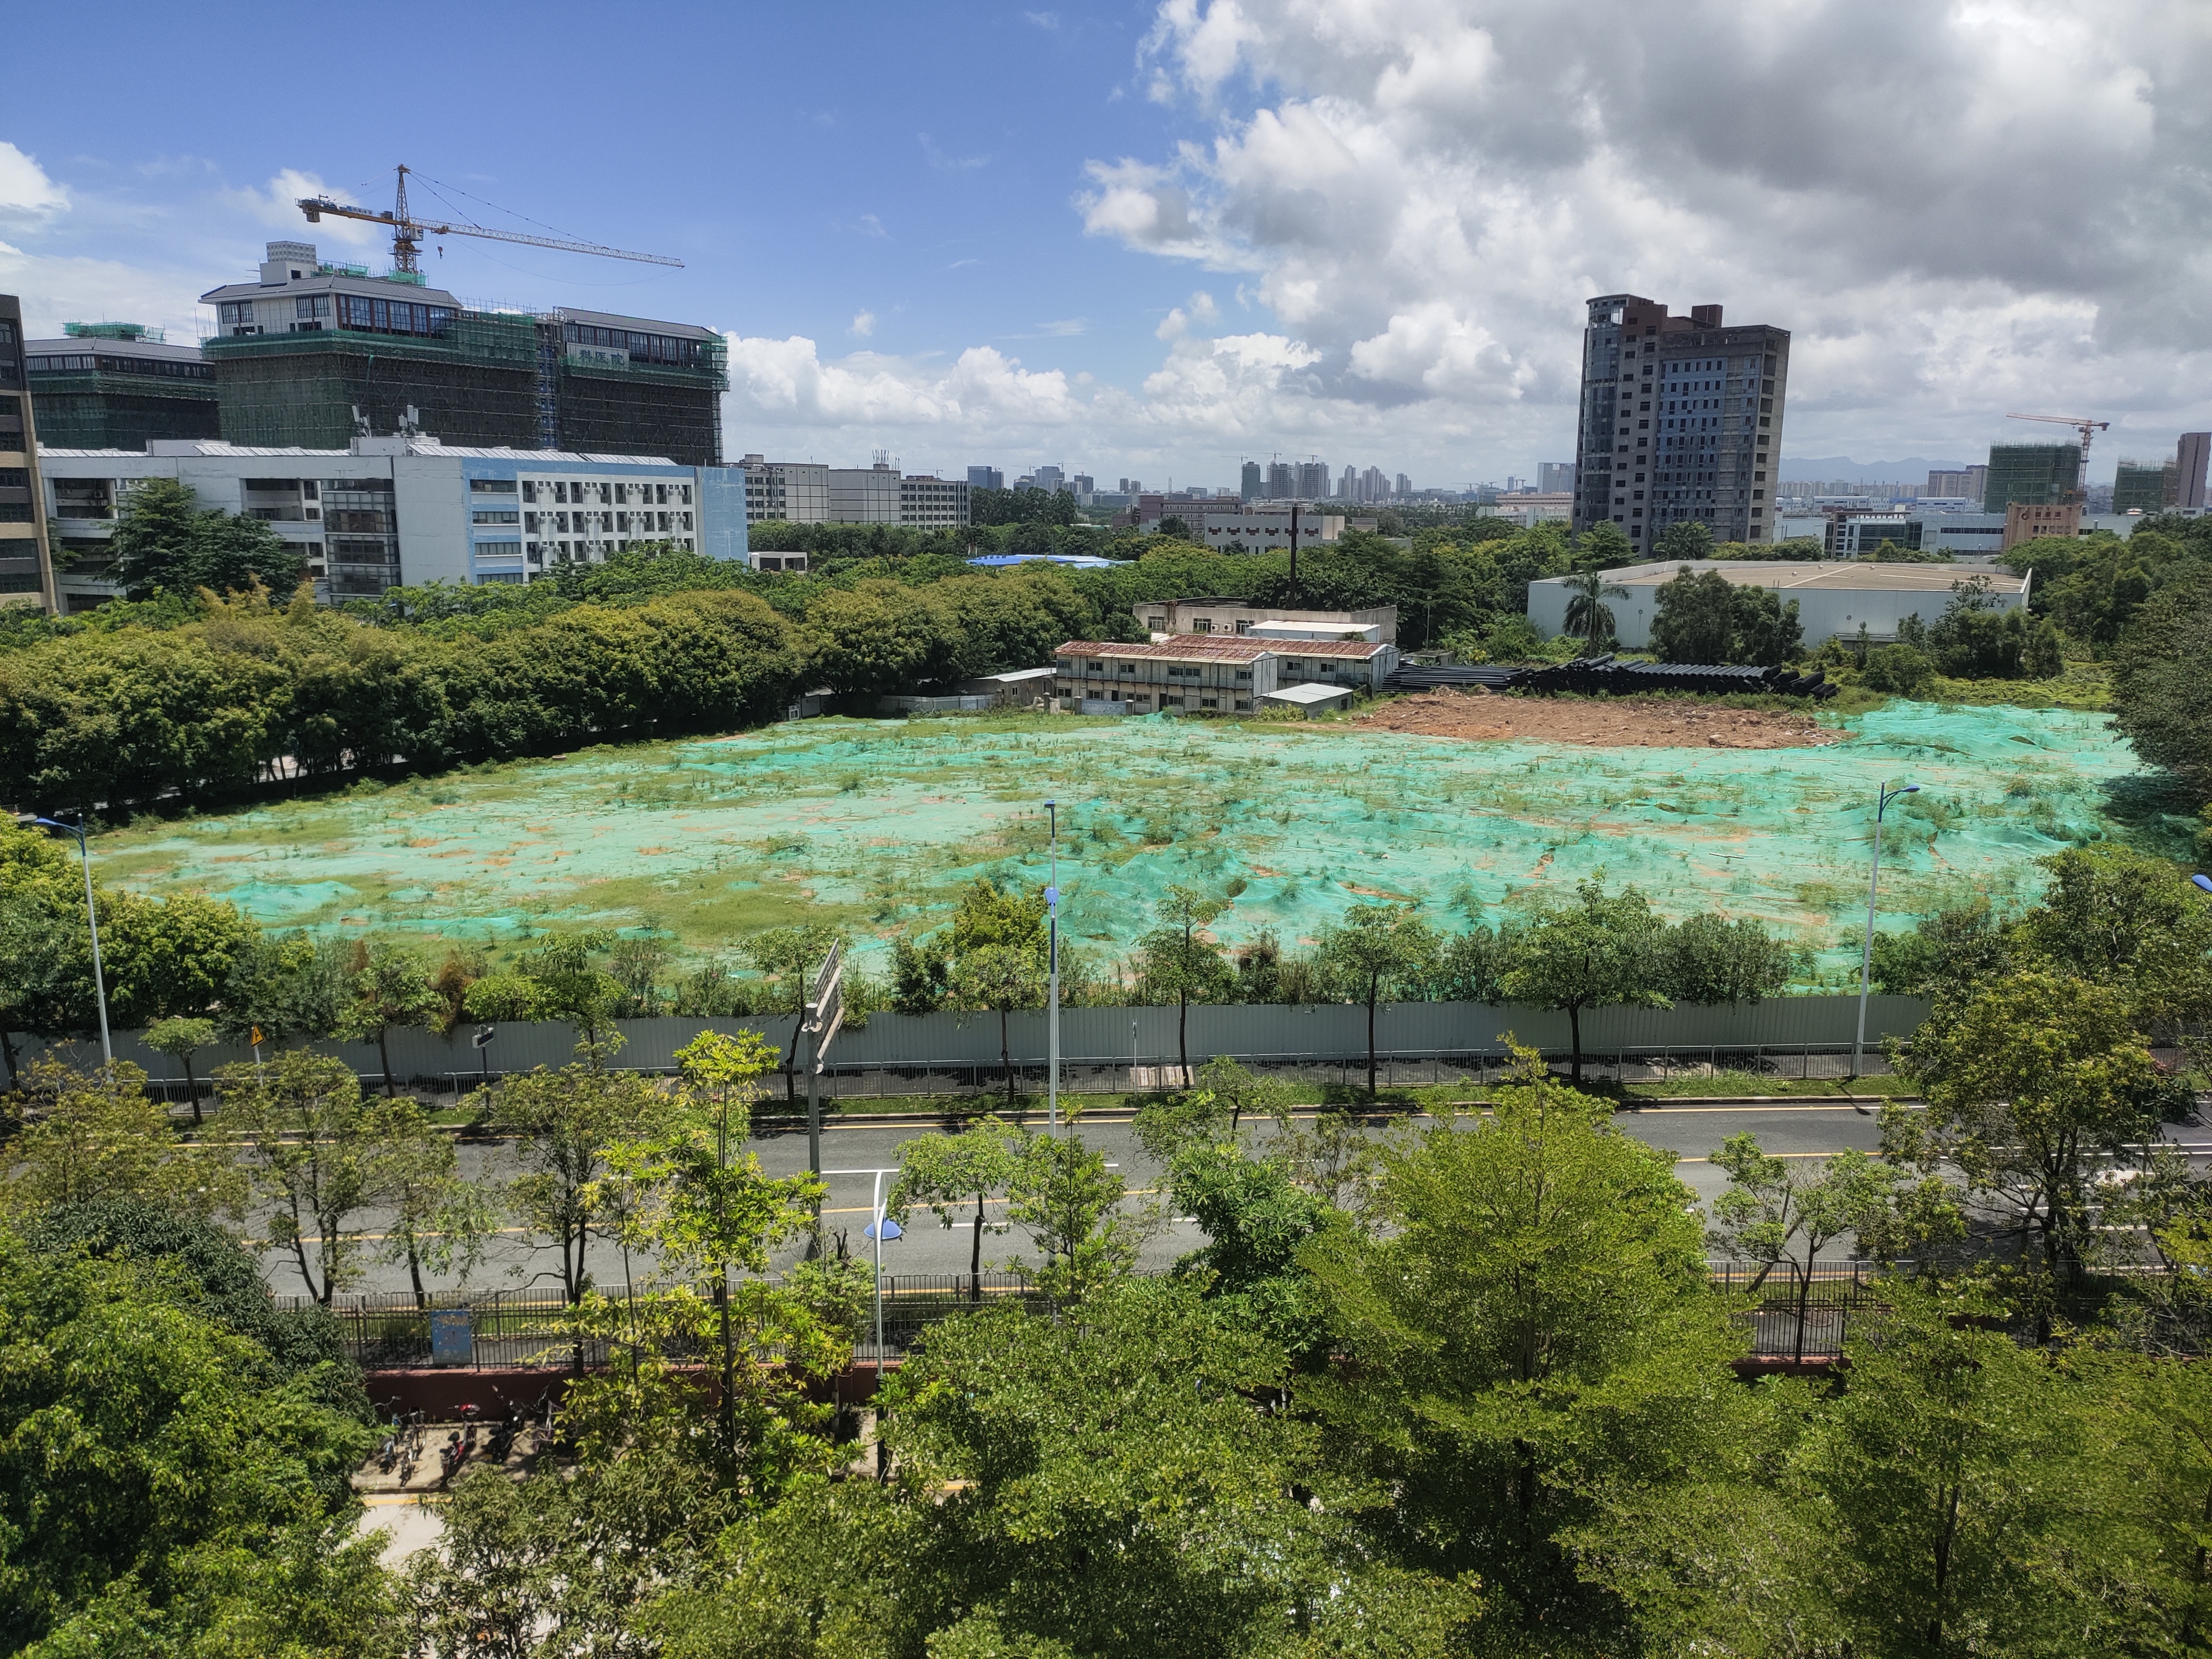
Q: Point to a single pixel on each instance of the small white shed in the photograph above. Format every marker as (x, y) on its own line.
(1308, 698)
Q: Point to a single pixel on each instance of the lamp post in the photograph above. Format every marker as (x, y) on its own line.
(1889, 792)
(2204, 881)
(1052, 1014)
(92, 920)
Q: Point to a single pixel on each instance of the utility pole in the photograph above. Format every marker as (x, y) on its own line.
(92, 920)
(1052, 1015)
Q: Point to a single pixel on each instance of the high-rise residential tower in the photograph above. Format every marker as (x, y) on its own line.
(1681, 418)
(27, 571)
(2189, 457)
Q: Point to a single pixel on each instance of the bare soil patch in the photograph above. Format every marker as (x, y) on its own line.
(1476, 715)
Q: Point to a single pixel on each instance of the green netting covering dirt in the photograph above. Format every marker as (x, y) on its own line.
(875, 826)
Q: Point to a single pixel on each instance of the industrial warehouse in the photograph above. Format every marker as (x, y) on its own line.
(1834, 601)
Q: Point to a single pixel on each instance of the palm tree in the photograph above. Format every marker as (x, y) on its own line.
(1588, 614)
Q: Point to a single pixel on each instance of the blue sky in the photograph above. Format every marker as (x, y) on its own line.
(1155, 238)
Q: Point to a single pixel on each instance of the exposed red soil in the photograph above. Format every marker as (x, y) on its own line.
(1476, 716)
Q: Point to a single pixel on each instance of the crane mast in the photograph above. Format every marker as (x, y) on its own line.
(408, 231)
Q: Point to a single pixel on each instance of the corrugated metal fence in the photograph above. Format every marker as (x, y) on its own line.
(903, 1053)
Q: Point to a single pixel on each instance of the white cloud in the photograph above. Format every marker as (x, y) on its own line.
(1423, 192)
(864, 324)
(25, 191)
(277, 205)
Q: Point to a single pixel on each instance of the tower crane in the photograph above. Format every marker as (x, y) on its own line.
(408, 231)
(2087, 428)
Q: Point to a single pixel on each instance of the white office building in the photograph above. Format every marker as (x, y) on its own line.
(797, 492)
(402, 511)
(1833, 600)
(881, 495)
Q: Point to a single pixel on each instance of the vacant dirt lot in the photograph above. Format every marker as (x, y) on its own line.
(1476, 715)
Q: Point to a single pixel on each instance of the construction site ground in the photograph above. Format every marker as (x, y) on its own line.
(1476, 715)
(876, 827)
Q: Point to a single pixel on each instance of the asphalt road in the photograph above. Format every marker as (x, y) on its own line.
(1809, 1131)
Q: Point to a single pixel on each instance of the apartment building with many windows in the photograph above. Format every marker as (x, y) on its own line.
(1680, 421)
(384, 512)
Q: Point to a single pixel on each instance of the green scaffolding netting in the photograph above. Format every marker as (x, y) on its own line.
(875, 825)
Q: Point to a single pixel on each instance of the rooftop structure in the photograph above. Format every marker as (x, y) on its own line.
(115, 386)
(1834, 601)
(1681, 419)
(1241, 617)
(315, 353)
(1224, 673)
(382, 513)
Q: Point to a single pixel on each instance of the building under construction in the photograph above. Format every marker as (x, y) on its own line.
(2032, 475)
(316, 355)
(117, 385)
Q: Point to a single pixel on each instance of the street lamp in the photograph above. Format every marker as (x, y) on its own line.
(1890, 791)
(92, 920)
(1052, 1015)
(2204, 881)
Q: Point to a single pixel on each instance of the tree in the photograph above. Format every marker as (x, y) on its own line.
(1375, 947)
(940, 1171)
(2043, 658)
(164, 1487)
(1174, 1524)
(2034, 1084)
(2162, 696)
(1972, 639)
(1600, 951)
(564, 1124)
(1177, 959)
(2119, 918)
(572, 987)
(181, 1039)
(1900, 668)
(1601, 547)
(1695, 619)
(391, 987)
(286, 988)
(1073, 1209)
(1684, 539)
(439, 1219)
(1532, 1321)
(1712, 963)
(1588, 613)
(1705, 617)
(1776, 1213)
(710, 1216)
(1256, 1217)
(999, 978)
(317, 1155)
(1945, 1469)
(88, 1136)
(164, 540)
(1243, 1091)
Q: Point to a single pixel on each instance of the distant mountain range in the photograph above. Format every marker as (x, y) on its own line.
(1913, 469)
